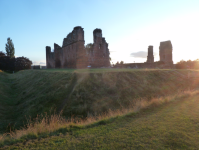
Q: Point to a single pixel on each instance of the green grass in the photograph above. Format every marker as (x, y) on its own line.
(173, 125)
(88, 93)
(82, 93)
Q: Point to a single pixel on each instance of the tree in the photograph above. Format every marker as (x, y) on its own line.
(10, 50)
(181, 65)
(22, 63)
(89, 47)
(2, 54)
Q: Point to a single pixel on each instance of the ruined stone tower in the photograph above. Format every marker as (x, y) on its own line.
(99, 55)
(57, 53)
(165, 52)
(49, 58)
(73, 54)
(150, 57)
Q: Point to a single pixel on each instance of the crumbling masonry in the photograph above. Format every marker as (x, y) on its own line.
(73, 53)
(165, 52)
(150, 57)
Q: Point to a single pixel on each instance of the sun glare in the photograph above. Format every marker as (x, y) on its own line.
(183, 32)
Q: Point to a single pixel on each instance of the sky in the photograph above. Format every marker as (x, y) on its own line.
(129, 26)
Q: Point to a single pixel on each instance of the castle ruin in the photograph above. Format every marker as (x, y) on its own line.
(73, 53)
(165, 52)
(150, 57)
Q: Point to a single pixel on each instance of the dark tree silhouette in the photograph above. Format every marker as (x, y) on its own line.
(10, 50)
(14, 64)
(2, 54)
(22, 63)
(8, 62)
(188, 64)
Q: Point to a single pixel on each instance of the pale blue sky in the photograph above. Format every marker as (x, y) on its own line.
(129, 26)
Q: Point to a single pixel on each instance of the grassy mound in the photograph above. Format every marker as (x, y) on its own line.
(82, 93)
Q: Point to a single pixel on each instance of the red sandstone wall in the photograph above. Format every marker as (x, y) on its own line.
(165, 52)
(82, 59)
(72, 54)
(50, 61)
(138, 65)
(69, 56)
(97, 53)
(99, 56)
(49, 58)
(58, 58)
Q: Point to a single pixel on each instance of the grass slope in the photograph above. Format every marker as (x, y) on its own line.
(173, 125)
(82, 93)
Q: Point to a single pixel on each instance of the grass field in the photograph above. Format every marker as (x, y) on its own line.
(171, 125)
(90, 93)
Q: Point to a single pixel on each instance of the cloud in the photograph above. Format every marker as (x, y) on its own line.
(39, 63)
(35, 62)
(42, 63)
(112, 51)
(140, 54)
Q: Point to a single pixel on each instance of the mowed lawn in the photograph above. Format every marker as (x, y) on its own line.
(174, 125)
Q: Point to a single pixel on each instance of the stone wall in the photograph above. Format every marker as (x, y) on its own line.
(82, 59)
(165, 52)
(150, 57)
(58, 55)
(50, 62)
(140, 65)
(165, 58)
(98, 55)
(73, 49)
(73, 54)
